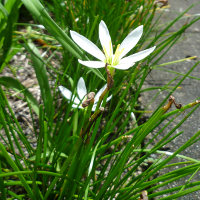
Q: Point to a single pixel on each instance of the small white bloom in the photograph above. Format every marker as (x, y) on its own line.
(82, 92)
(40, 26)
(168, 153)
(133, 117)
(116, 60)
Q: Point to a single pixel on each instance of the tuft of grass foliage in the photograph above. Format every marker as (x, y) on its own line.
(80, 154)
(8, 17)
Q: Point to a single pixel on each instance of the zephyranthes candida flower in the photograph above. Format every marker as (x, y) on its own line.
(81, 94)
(117, 59)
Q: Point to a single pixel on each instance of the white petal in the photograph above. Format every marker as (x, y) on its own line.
(137, 56)
(76, 106)
(133, 117)
(94, 107)
(81, 89)
(92, 64)
(67, 94)
(95, 103)
(124, 66)
(168, 153)
(105, 38)
(40, 26)
(109, 98)
(130, 41)
(75, 100)
(99, 93)
(87, 45)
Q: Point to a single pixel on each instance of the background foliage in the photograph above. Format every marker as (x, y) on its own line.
(112, 161)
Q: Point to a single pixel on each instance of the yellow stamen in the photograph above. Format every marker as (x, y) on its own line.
(117, 55)
(105, 52)
(108, 54)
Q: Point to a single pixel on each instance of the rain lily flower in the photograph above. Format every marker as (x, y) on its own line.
(116, 60)
(82, 92)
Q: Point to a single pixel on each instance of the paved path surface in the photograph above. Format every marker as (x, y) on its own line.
(188, 45)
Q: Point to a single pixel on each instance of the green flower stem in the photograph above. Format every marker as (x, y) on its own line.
(86, 118)
(90, 122)
(98, 109)
(109, 85)
(101, 97)
(94, 117)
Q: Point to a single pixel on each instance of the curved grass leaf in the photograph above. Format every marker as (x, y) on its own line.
(14, 84)
(42, 78)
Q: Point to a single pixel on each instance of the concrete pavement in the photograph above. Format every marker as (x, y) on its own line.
(188, 45)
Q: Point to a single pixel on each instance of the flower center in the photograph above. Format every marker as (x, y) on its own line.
(109, 54)
(116, 59)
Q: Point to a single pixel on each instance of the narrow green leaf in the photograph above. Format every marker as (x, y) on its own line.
(15, 168)
(42, 78)
(7, 32)
(14, 84)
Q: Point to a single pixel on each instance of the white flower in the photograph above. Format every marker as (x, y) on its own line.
(82, 92)
(116, 60)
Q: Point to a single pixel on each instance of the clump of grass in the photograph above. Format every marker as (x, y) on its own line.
(91, 152)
